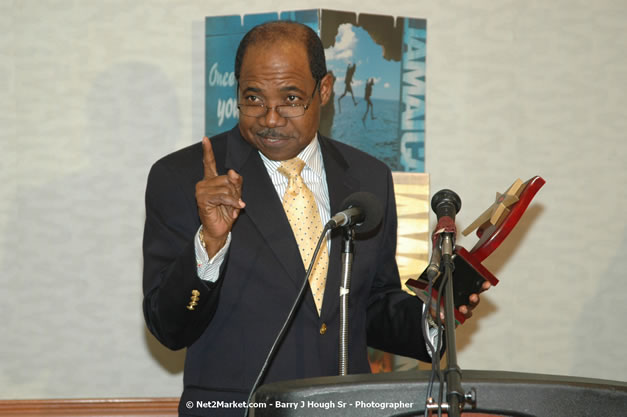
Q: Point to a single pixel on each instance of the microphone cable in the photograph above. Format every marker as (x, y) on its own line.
(436, 368)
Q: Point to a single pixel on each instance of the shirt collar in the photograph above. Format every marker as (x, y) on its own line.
(311, 155)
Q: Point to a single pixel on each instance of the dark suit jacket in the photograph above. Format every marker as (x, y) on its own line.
(232, 328)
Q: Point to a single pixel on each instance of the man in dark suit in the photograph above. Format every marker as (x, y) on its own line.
(221, 262)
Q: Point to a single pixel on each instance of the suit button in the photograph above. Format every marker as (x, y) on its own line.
(323, 328)
(193, 300)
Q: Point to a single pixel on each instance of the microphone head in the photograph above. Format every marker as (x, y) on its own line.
(370, 207)
(446, 203)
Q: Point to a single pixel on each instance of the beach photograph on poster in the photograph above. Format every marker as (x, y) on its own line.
(363, 120)
(379, 90)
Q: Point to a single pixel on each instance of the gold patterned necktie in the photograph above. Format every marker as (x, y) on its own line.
(302, 212)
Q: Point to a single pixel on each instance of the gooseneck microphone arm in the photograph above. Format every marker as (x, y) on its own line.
(348, 252)
(361, 211)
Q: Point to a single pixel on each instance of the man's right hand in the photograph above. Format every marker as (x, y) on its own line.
(219, 200)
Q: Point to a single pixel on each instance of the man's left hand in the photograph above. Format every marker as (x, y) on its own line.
(466, 310)
(473, 301)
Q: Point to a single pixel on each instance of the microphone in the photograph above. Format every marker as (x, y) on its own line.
(348, 217)
(361, 209)
(446, 203)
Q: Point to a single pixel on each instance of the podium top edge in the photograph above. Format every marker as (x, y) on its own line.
(468, 377)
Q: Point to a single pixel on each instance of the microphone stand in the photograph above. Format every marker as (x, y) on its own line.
(454, 392)
(348, 252)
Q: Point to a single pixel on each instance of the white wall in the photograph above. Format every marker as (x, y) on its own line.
(93, 92)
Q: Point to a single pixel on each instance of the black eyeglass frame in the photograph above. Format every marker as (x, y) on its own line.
(278, 107)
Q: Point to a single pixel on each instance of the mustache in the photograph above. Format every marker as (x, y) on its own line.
(273, 133)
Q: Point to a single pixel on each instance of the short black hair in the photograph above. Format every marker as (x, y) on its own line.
(270, 32)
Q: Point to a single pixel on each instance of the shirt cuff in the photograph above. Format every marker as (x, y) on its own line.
(209, 269)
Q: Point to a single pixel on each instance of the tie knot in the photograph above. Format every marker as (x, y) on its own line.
(292, 167)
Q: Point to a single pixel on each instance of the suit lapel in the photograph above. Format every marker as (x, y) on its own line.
(264, 207)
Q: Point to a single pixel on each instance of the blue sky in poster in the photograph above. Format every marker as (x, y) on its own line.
(354, 45)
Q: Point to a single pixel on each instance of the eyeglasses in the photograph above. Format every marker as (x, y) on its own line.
(286, 111)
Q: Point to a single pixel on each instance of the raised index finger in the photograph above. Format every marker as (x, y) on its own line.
(208, 160)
